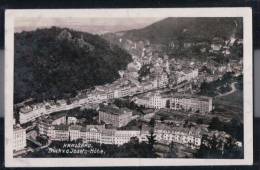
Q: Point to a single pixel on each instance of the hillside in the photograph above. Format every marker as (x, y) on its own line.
(189, 38)
(186, 29)
(55, 63)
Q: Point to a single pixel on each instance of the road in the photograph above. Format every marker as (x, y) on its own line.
(34, 141)
(230, 92)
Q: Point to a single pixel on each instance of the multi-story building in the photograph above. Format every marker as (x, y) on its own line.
(145, 131)
(83, 100)
(147, 86)
(117, 93)
(157, 101)
(142, 101)
(75, 132)
(167, 134)
(188, 76)
(61, 102)
(45, 127)
(99, 134)
(60, 133)
(72, 120)
(178, 101)
(102, 97)
(133, 89)
(125, 91)
(93, 133)
(46, 124)
(97, 97)
(124, 136)
(92, 98)
(162, 80)
(30, 113)
(19, 138)
(115, 116)
(151, 100)
(200, 104)
(108, 136)
(110, 95)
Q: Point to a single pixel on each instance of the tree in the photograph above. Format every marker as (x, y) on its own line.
(152, 122)
(186, 123)
(134, 140)
(144, 71)
(209, 148)
(172, 151)
(168, 104)
(204, 87)
(54, 68)
(132, 105)
(42, 140)
(213, 147)
(151, 142)
(231, 150)
(199, 121)
(121, 103)
(162, 118)
(215, 124)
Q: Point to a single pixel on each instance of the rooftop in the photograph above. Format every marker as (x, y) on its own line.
(101, 88)
(187, 96)
(108, 132)
(75, 127)
(61, 127)
(97, 127)
(57, 115)
(29, 108)
(17, 127)
(26, 109)
(173, 129)
(52, 117)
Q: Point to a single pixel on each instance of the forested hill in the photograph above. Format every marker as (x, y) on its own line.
(187, 29)
(56, 63)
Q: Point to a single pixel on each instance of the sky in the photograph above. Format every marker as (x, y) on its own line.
(91, 25)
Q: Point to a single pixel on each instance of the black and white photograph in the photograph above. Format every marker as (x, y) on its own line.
(155, 86)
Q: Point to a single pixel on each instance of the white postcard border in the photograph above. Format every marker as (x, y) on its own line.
(10, 17)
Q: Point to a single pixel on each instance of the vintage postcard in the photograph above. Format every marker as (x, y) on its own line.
(128, 87)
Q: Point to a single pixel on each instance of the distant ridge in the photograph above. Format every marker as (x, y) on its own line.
(170, 29)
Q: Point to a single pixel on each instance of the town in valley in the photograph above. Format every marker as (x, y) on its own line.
(180, 99)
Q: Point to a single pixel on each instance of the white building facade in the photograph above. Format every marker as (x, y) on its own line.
(19, 138)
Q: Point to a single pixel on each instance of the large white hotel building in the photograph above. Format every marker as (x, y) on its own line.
(177, 101)
(115, 116)
(200, 104)
(19, 138)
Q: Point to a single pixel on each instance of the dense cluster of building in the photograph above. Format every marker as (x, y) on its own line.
(61, 130)
(163, 72)
(120, 88)
(58, 129)
(31, 112)
(127, 85)
(188, 75)
(67, 128)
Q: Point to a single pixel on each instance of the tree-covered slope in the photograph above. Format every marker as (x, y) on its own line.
(56, 63)
(187, 29)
